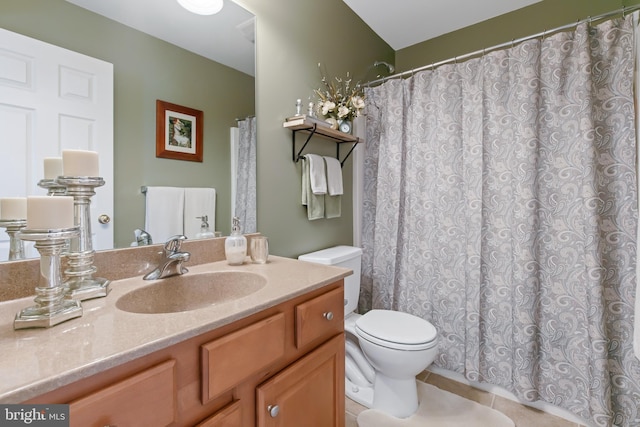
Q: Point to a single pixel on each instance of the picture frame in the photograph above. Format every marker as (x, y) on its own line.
(178, 132)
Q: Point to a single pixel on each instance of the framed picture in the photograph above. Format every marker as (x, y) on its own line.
(178, 132)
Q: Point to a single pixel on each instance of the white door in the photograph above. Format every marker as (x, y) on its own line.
(53, 99)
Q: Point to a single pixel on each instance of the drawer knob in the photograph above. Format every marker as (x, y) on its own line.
(274, 410)
(328, 315)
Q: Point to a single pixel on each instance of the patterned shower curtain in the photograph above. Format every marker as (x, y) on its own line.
(500, 204)
(245, 203)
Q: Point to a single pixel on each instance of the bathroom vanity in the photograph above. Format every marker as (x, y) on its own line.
(273, 357)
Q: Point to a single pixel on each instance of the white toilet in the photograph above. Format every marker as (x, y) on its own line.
(385, 349)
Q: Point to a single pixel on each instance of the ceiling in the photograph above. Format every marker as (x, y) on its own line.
(403, 23)
(228, 37)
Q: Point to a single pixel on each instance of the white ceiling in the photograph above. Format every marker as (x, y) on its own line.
(227, 37)
(403, 23)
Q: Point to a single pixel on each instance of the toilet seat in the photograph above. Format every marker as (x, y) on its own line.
(396, 330)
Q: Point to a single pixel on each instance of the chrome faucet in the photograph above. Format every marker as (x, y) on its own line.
(171, 264)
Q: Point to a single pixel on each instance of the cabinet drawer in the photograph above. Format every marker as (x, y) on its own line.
(232, 358)
(321, 317)
(145, 399)
(229, 416)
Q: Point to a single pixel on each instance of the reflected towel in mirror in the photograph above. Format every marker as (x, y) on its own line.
(164, 212)
(198, 202)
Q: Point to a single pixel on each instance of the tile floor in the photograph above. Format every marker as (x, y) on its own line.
(522, 415)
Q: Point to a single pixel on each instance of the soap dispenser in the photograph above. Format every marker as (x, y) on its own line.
(235, 246)
(205, 232)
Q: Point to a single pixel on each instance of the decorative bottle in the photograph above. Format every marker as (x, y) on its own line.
(205, 232)
(235, 246)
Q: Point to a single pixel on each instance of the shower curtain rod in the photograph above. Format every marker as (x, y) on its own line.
(623, 11)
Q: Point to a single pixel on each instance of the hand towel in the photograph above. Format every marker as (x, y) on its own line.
(332, 206)
(317, 174)
(334, 176)
(333, 198)
(198, 202)
(313, 202)
(164, 212)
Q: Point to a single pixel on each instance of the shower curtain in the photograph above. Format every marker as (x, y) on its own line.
(500, 204)
(245, 203)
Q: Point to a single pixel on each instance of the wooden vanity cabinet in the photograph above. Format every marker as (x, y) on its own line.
(283, 366)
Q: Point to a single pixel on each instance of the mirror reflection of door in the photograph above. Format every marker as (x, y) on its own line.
(49, 102)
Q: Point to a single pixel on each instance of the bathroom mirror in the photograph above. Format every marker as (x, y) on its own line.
(147, 68)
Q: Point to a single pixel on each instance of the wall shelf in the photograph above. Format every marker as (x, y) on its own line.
(313, 127)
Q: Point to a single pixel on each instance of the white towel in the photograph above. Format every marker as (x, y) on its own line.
(198, 202)
(334, 176)
(164, 212)
(317, 174)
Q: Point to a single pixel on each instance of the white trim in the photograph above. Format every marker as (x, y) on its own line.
(234, 138)
(359, 130)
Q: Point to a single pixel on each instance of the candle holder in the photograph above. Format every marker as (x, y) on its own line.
(53, 187)
(51, 305)
(16, 246)
(80, 283)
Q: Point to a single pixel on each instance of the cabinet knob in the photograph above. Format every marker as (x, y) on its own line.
(274, 410)
(328, 315)
(104, 219)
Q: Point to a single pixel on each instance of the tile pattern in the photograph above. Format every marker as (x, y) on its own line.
(522, 415)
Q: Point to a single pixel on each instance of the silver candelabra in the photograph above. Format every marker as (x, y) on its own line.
(53, 187)
(16, 246)
(80, 283)
(52, 307)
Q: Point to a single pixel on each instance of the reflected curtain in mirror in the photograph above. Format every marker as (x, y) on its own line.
(245, 199)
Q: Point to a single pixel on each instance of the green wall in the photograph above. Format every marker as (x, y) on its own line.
(293, 36)
(534, 19)
(146, 69)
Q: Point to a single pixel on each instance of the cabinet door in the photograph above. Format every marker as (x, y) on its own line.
(308, 393)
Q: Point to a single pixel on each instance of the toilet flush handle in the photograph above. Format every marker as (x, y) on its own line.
(328, 315)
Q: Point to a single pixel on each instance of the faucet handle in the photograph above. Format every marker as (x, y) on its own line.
(174, 242)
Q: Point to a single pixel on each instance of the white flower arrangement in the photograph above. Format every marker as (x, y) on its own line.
(339, 100)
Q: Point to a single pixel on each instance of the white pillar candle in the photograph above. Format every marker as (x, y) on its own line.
(50, 212)
(80, 163)
(13, 208)
(52, 167)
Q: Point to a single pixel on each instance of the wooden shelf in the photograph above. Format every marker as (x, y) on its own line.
(312, 127)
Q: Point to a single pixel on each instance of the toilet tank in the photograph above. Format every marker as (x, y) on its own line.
(342, 256)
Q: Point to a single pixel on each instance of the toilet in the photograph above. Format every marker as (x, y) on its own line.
(385, 349)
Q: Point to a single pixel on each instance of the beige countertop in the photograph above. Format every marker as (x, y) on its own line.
(36, 361)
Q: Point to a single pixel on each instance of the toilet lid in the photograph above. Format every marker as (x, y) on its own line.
(396, 329)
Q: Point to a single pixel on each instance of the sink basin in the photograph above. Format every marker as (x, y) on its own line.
(191, 292)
